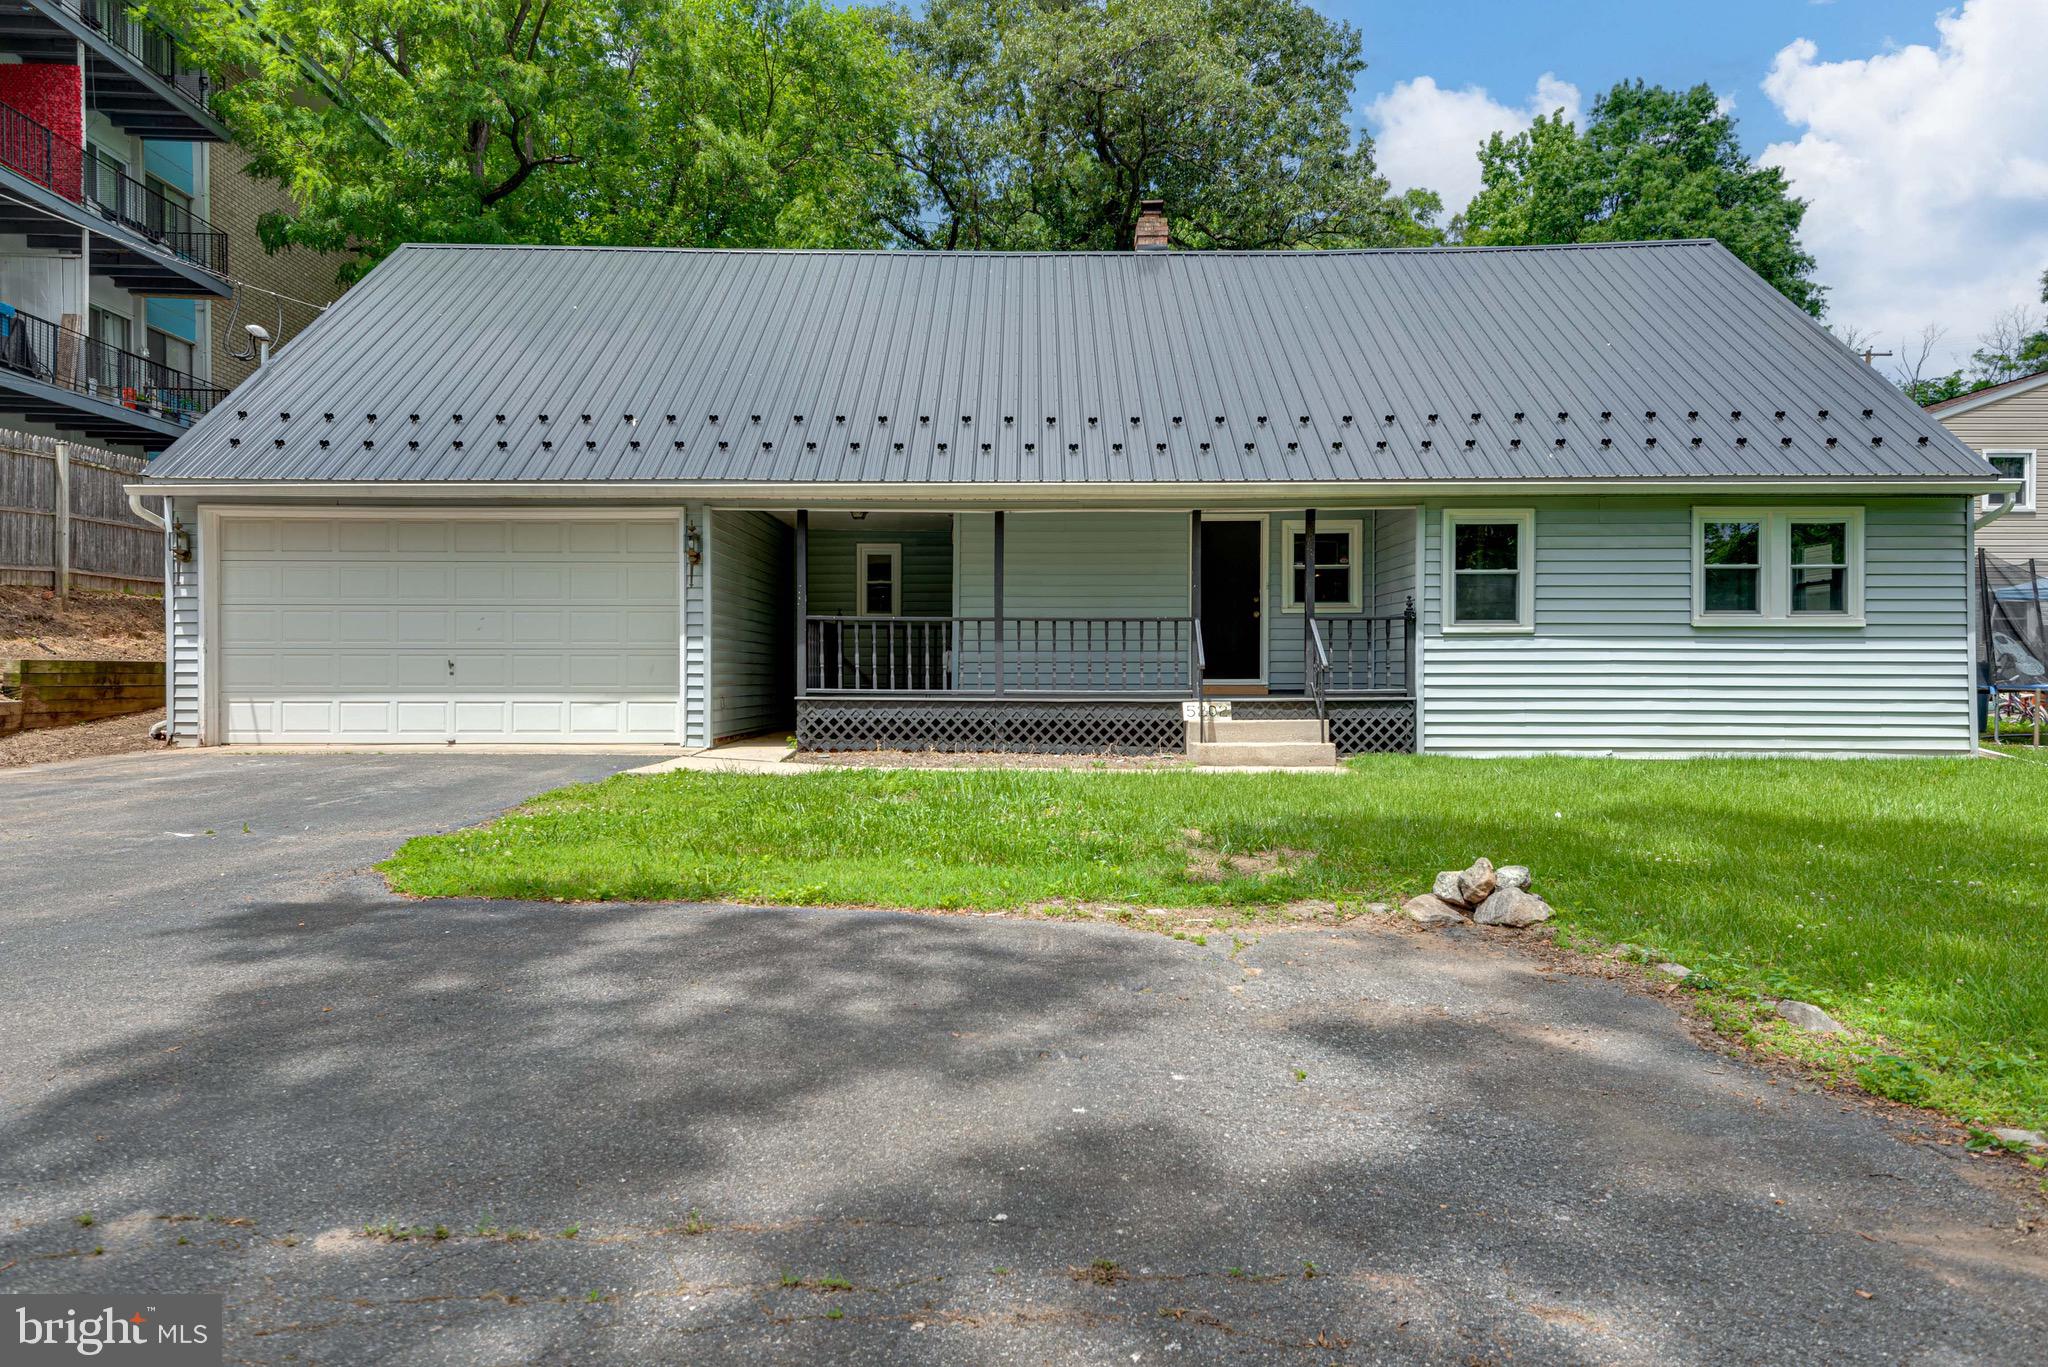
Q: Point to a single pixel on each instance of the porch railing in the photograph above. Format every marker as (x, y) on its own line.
(1368, 654)
(1122, 655)
(54, 354)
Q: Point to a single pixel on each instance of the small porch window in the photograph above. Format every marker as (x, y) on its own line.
(1489, 570)
(878, 575)
(1340, 566)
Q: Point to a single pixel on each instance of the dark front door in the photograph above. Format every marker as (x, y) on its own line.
(1232, 584)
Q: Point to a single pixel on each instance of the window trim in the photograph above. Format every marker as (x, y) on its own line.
(1354, 597)
(1525, 570)
(2024, 500)
(861, 552)
(1774, 587)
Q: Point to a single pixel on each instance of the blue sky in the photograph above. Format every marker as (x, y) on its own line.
(1916, 129)
(1503, 46)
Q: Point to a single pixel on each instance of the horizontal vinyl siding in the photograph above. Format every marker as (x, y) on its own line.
(1121, 564)
(926, 566)
(752, 624)
(696, 645)
(182, 673)
(1615, 664)
(2019, 423)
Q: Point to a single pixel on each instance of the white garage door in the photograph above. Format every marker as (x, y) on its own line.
(427, 629)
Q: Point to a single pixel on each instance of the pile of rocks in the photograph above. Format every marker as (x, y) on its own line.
(1490, 896)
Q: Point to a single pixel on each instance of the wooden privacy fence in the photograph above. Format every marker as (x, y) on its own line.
(65, 522)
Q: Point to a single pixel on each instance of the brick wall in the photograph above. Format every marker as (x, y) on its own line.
(236, 201)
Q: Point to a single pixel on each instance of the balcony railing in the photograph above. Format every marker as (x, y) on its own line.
(54, 354)
(146, 43)
(61, 166)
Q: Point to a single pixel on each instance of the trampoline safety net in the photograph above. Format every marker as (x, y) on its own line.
(2012, 600)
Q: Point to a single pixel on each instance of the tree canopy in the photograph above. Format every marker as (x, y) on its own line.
(1650, 164)
(665, 122)
(1042, 124)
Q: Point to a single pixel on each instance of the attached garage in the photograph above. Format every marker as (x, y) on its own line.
(442, 627)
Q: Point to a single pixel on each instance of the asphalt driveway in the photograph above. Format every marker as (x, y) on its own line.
(862, 1136)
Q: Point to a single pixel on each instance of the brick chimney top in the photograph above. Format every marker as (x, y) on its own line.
(1151, 234)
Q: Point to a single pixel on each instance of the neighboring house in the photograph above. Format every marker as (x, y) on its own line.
(2008, 425)
(122, 213)
(1637, 502)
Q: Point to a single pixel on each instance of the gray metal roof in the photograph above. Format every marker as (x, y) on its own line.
(571, 363)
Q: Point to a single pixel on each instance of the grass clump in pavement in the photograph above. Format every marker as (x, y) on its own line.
(1898, 895)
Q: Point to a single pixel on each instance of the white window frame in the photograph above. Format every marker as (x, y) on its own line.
(1774, 586)
(1354, 594)
(1525, 570)
(861, 552)
(2023, 501)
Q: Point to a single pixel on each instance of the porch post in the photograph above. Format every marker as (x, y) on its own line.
(803, 601)
(1308, 582)
(996, 600)
(1195, 602)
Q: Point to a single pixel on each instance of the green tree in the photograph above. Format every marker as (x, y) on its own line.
(1037, 124)
(665, 122)
(1650, 164)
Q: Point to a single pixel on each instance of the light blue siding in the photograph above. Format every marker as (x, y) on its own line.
(926, 566)
(1615, 664)
(1121, 564)
(753, 618)
(182, 626)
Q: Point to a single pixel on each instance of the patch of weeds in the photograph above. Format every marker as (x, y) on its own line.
(1896, 1079)
(486, 1228)
(790, 1278)
(571, 1232)
(1237, 1273)
(835, 1313)
(86, 1219)
(98, 1250)
(695, 1224)
(440, 1232)
(593, 1296)
(1102, 1272)
(1309, 1271)
(182, 1241)
(1300, 1075)
(834, 1282)
(1002, 1272)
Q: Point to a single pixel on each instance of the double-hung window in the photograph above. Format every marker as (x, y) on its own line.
(2018, 465)
(879, 570)
(1489, 570)
(1777, 566)
(1340, 568)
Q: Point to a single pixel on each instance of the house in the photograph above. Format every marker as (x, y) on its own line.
(2008, 424)
(1603, 499)
(121, 206)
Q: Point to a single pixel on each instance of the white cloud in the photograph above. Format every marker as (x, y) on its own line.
(1428, 136)
(1927, 168)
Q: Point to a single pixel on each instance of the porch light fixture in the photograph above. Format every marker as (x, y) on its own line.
(181, 543)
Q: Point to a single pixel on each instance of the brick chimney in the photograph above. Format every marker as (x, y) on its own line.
(1151, 234)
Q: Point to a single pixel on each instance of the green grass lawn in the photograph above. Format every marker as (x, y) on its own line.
(1907, 897)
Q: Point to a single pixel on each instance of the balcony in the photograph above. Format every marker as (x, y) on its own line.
(53, 374)
(135, 70)
(142, 240)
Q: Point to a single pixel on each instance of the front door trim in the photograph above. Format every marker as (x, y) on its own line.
(1265, 573)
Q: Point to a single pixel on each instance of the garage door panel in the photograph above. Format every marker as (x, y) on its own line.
(343, 630)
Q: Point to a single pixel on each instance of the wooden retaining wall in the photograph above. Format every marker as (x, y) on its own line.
(65, 505)
(61, 692)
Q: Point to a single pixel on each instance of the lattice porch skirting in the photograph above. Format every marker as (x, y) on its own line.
(1047, 727)
(1072, 726)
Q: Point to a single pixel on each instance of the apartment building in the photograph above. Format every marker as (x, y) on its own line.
(126, 219)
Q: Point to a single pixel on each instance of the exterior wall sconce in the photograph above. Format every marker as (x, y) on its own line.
(181, 543)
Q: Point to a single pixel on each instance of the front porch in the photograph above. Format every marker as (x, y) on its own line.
(1075, 631)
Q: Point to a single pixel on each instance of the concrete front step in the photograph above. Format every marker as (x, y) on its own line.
(1260, 729)
(1259, 754)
